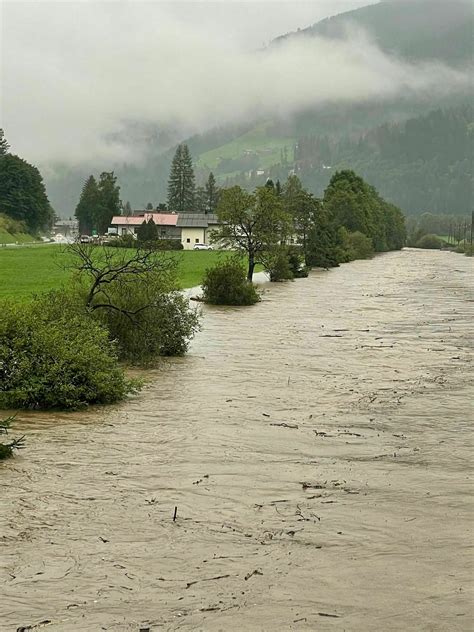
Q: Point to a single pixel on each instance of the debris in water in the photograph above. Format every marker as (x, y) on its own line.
(306, 485)
(285, 425)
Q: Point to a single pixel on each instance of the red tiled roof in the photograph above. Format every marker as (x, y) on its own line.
(160, 219)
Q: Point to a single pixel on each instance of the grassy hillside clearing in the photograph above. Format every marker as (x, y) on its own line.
(258, 140)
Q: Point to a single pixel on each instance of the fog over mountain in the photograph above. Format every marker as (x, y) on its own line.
(87, 82)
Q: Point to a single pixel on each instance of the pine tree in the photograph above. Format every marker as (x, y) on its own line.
(147, 232)
(200, 200)
(109, 201)
(127, 209)
(212, 194)
(181, 182)
(4, 146)
(88, 208)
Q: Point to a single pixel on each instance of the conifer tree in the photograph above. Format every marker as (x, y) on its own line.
(181, 182)
(88, 208)
(109, 201)
(212, 194)
(4, 146)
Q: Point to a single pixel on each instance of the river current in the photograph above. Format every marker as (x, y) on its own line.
(317, 447)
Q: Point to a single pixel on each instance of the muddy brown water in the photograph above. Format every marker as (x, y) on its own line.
(317, 447)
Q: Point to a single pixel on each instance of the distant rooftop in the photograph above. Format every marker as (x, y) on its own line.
(196, 220)
(160, 219)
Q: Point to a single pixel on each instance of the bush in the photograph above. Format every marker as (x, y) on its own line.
(277, 265)
(6, 449)
(464, 248)
(430, 242)
(129, 241)
(124, 241)
(226, 284)
(357, 245)
(135, 295)
(296, 262)
(168, 244)
(163, 328)
(54, 355)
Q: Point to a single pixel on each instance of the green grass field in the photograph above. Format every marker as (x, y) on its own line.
(33, 269)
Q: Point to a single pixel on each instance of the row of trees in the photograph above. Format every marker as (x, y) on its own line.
(350, 219)
(22, 192)
(100, 199)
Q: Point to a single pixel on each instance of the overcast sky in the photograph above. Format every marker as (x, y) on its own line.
(73, 72)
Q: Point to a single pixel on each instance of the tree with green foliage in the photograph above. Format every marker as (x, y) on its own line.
(200, 200)
(4, 146)
(312, 228)
(226, 284)
(181, 182)
(355, 205)
(89, 206)
(251, 223)
(135, 294)
(53, 354)
(127, 209)
(23, 195)
(147, 232)
(212, 194)
(110, 203)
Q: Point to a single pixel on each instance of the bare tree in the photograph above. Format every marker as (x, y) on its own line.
(135, 294)
(101, 268)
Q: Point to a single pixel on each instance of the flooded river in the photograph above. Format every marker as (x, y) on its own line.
(317, 447)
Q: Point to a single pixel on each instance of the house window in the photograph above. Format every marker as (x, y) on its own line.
(196, 240)
(188, 240)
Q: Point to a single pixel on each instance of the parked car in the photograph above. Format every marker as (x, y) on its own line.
(202, 247)
(85, 239)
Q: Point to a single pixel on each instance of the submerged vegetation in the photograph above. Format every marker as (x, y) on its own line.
(226, 284)
(6, 449)
(62, 349)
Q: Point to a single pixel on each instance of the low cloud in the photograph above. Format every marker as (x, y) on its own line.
(73, 75)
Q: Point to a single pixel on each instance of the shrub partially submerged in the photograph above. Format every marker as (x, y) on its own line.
(54, 355)
(357, 245)
(134, 294)
(429, 242)
(6, 449)
(226, 284)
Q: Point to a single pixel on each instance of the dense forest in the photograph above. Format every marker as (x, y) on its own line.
(422, 164)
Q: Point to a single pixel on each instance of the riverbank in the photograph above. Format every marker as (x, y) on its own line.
(317, 446)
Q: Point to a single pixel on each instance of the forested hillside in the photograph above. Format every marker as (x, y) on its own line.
(412, 29)
(413, 148)
(423, 164)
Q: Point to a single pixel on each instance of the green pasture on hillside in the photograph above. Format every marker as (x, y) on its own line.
(257, 139)
(32, 269)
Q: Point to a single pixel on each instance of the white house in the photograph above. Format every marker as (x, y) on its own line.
(128, 224)
(196, 228)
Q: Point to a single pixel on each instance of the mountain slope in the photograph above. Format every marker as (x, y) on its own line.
(417, 30)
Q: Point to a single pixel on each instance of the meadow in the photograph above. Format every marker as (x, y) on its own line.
(32, 269)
